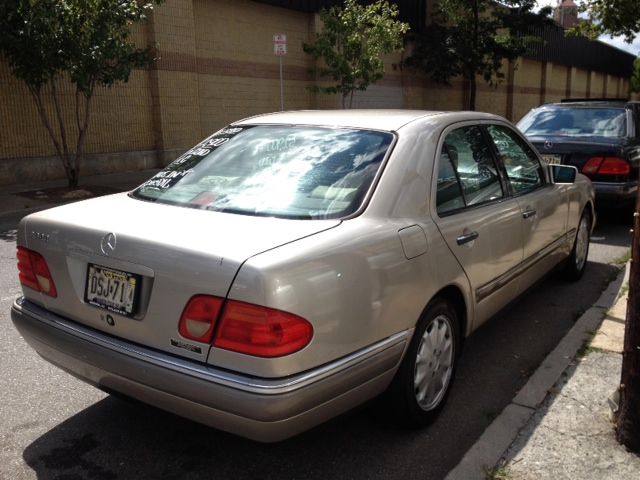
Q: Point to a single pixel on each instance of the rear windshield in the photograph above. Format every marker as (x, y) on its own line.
(575, 122)
(283, 171)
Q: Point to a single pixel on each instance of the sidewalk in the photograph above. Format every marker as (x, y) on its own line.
(559, 425)
(12, 201)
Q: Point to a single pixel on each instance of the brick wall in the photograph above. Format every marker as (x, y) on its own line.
(216, 65)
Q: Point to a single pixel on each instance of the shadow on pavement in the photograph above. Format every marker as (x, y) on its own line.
(116, 439)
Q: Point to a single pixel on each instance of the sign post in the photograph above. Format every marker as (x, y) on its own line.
(280, 50)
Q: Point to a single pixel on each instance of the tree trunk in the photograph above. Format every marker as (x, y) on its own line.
(62, 150)
(476, 46)
(628, 420)
(473, 87)
(70, 170)
(83, 124)
(344, 101)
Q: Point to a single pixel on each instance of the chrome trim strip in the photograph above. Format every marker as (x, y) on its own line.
(257, 385)
(494, 285)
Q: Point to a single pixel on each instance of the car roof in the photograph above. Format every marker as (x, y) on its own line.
(586, 103)
(390, 120)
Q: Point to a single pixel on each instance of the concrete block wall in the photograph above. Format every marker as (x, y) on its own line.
(121, 119)
(529, 83)
(216, 65)
(238, 73)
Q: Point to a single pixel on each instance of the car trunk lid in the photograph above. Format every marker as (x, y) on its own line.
(577, 152)
(166, 253)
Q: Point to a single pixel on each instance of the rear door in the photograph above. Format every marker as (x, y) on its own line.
(480, 223)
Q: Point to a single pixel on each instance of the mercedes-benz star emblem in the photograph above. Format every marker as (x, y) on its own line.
(108, 243)
(548, 144)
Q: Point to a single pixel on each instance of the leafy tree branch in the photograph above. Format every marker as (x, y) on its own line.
(612, 17)
(85, 42)
(351, 44)
(472, 38)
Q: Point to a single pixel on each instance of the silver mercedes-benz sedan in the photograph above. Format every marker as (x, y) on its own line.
(294, 265)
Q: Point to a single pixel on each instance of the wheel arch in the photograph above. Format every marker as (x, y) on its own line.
(454, 296)
(592, 212)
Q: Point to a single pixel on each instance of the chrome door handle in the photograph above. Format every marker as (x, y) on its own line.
(528, 213)
(467, 237)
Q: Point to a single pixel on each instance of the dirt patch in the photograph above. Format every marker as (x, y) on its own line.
(63, 194)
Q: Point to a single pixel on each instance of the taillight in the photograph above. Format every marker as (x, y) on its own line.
(199, 318)
(592, 166)
(606, 166)
(261, 331)
(614, 166)
(244, 327)
(34, 272)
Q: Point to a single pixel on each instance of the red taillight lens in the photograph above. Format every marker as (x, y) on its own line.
(606, 166)
(261, 331)
(34, 272)
(614, 166)
(592, 166)
(199, 318)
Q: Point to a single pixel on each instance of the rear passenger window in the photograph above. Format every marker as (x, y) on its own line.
(449, 195)
(521, 164)
(467, 174)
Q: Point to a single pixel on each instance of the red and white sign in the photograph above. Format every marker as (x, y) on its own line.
(280, 44)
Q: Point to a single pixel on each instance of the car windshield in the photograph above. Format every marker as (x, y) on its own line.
(575, 122)
(274, 170)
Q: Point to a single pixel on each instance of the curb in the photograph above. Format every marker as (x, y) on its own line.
(498, 437)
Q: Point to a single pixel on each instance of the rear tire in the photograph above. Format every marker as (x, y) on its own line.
(577, 261)
(422, 383)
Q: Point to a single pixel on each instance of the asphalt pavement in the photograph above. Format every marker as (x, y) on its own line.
(56, 427)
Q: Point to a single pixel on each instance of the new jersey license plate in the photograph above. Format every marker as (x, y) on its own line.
(552, 159)
(113, 290)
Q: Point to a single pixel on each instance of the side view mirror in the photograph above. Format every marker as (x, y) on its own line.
(563, 173)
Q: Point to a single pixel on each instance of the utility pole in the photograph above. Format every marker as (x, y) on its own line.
(628, 419)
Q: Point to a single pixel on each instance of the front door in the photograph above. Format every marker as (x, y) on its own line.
(543, 205)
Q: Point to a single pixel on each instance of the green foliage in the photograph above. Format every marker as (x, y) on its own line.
(613, 17)
(635, 78)
(352, 42)
(85, 41)
(470, 38)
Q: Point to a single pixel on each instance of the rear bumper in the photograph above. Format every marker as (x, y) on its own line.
(614, 194)
(257, 408)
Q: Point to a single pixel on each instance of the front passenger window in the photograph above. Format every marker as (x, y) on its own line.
(521, 164)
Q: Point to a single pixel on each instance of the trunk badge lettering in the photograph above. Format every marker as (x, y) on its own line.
(108, 243)
(186, 346)
(44, 237)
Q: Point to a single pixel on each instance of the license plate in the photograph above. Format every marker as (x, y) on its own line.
(552, 159)
(113, 290)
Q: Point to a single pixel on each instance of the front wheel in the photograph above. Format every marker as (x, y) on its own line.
(577, 261)
(423, 380)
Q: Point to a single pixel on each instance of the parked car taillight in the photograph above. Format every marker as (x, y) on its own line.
(261, 331)
(606, 166)
(34, 272)
(244, 327)
(199, 318)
